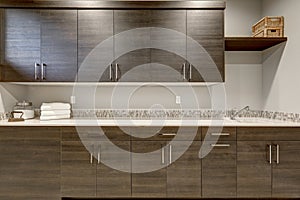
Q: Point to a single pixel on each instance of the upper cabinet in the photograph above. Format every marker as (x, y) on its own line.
(115, 42)
(40, 45)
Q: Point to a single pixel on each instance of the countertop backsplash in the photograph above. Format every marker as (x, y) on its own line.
(172, 114)
(179, 114)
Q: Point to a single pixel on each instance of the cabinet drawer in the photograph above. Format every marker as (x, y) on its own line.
(95, 133)
(165, 133)
(219, 133)
(268, 133)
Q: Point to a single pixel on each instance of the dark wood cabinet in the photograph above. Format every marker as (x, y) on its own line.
(175, 158)
(184, 178)
(40, 45)
(78, 169)
(95, 45)
(268, 162)
(87, 163)
(219, 166)
(205, 45)
(30, 163)
(58, 45)
(154, 182)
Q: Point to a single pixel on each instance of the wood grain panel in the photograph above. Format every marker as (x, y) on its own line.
(165, 133)
(151, 184)
(130, 54)
(22, 44)
(211, 133)
(184, 174)
(78, 175)
(30, 168)
(286, 174)
(59, 44)
(219, 171)
(94, 27)
(113, 171)
(168, 35)
(115, 4)
(206, 27)
(254, 174)
(268, 133)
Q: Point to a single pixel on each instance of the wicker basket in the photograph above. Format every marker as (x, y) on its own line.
(270, 32)
(269, 27)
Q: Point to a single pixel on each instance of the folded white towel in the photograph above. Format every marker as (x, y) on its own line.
(55, 106)
(55, 112)
(43, 118)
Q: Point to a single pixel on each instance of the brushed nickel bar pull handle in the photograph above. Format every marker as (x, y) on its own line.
(99, 153)
(270, 154)
(36, 66)
(91, 158)
(167, 134)
(277, 154)
(190, 73)
(117, 70)
(220, 145)
(184, 71)
(110, 72)
(163, 155)
(220, 134)
(170, 153)
(43, 71)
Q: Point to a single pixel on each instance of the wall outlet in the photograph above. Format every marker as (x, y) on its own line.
(178, 99)
(72, 99)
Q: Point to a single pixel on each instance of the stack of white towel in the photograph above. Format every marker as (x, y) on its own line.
(51, 111)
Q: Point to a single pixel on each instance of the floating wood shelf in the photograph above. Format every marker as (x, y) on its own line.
(251, 43)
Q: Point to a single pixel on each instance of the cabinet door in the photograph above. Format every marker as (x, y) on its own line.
(113, 182)
(152, 183)
(219, 171)
(184, 174)
(59, 45)
(22, 44)
(206, 27)
(132, 64)
(254, 173)
(78, 169)
(168, 35)
(95, 45)
(30, 163)
(286, 174)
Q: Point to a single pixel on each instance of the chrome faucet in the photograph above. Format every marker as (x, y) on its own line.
(233, 116)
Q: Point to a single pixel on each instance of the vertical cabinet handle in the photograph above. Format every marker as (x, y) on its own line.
(43, 71)
(117, 70)
(184, 71)
(110, 73)
(170, 153)
(98, 155)
(36, 68)
(91, 158)
(190, 72)
(269, 154)
(163, 155)
(277, 154)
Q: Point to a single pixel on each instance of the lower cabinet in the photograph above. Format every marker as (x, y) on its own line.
(219, 166)
(30, 163)
(174, 167)
(84, 170)
(268, 162)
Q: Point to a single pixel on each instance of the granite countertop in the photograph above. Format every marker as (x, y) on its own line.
(242, 122)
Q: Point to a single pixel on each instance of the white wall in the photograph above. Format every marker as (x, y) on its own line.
(243, 75)
(281, 66)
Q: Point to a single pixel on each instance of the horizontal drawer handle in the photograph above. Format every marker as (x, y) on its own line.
(220, 145)
(167, 134)
(220, 134)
